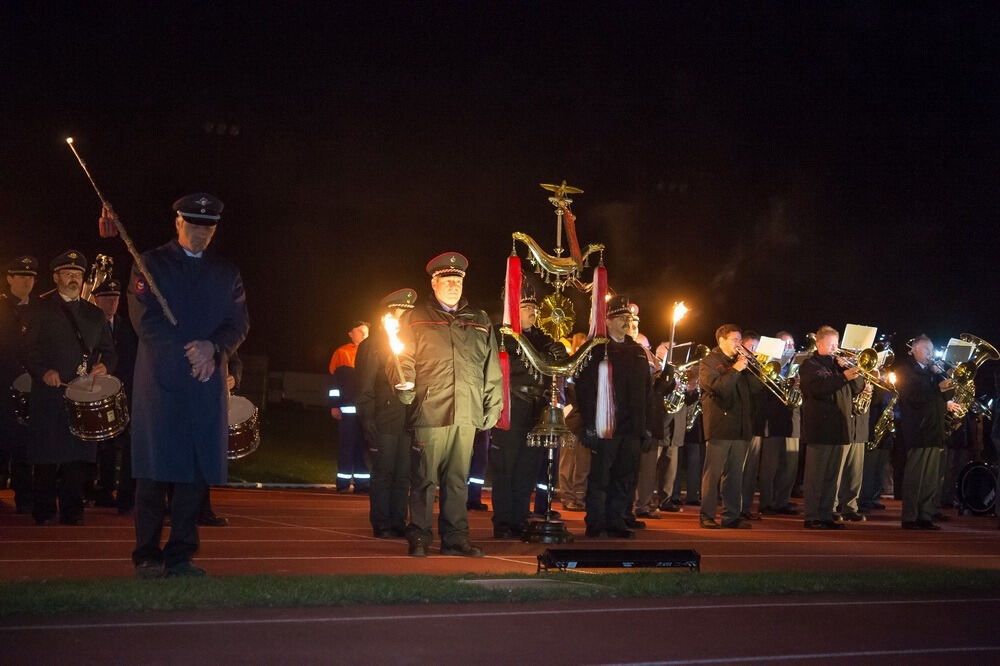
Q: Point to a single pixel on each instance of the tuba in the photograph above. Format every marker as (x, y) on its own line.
(675, 400)
(964, 378)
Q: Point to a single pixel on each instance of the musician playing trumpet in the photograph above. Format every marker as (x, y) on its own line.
(829, 384)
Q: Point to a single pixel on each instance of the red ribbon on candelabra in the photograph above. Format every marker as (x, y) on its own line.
(512, 320)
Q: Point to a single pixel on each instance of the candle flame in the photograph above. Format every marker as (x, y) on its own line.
(69, 139)
(391, 325)
(679, 311)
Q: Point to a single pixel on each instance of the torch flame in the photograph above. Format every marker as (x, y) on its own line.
(391, 325)
(892, 377)
(69, 139)
(679, 311)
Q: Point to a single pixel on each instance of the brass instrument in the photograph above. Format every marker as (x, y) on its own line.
(100, 272)
(675, 400)
(867, 362)
(886, 423)
(964, 378)
(694, 412)
(769, 374)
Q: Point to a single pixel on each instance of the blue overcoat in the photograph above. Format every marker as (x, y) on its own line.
(179, 425)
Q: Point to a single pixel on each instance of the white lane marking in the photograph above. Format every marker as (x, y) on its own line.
(307, 527)
(487, 614)
(816, 655)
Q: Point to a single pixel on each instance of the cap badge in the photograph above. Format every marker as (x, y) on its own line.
(72, 255)
(452, 260)
(202, 202)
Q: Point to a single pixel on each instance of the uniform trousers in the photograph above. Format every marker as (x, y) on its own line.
(779, 462)
(440, 457)
(14, 465)
(514, 465)
(574, 468)
(873, 476)
(657, 473)
(851, 478)
(62, 483)
(751, 470)
(821, 479)
(150, 508)
(390, 481)
(477, 467)
(953, 460)
(921, 483)
(351, 458)
(692, 455)
(611, 483)
(724, 460)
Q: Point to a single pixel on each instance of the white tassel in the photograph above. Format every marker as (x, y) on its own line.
(604, 420)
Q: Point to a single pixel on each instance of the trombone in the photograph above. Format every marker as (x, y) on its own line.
(769, 374)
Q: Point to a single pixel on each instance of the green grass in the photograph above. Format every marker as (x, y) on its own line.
(128, 595)
(297, 445)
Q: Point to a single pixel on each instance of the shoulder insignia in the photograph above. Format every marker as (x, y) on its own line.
(140, 285)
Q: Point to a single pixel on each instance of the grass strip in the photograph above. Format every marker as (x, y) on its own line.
(117, 595)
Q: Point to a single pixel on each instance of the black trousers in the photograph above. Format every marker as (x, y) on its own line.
(515, 467)
(59, 488)
(150, 508)
(390, 483)
(15, 466)
(611, 484)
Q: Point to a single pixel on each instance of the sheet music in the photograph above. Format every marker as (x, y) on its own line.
(770, 347)
(858, 337)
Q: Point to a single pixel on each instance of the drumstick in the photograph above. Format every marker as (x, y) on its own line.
(93, 377)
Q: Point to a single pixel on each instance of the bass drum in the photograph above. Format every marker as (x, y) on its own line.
(976, 488)
(244, 434)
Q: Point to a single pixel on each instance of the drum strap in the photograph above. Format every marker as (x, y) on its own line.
(79, 335)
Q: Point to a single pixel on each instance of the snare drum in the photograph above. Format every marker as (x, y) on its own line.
(21, 392)
(976, 488)
(96, 406)
(244, 433)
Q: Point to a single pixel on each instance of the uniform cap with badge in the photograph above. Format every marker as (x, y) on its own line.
(110, 287)
(70, 259)
(617, 306)
(199, 208)
(447, 263)
(24, 265)
(401, 298)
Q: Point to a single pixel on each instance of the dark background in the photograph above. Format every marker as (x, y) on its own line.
(778, 165)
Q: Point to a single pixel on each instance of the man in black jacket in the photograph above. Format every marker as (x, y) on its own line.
(828, 386)
(514, 464)
(615, 460)
(923, 402)
(65, 338)
(779, 449)
(450, 359)
(383, 421)
(727, 394)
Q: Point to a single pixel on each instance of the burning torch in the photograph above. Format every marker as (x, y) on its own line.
(391, 325)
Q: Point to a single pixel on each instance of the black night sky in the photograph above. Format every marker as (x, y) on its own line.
(779, 165)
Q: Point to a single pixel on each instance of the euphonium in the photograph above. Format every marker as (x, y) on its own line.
(674, 401)
(964, 378)
(769, 374)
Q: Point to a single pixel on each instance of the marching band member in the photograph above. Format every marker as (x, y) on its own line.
(383, 420)
(574, 461)
(828, 386)
(614, 417)
(779, 448)
(727, 409)
(179, 423)
(923, 399)
(876, 465)
(450, 356)
(854, 463)
(65, 337)
(752, 466)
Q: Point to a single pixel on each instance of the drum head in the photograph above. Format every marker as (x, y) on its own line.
(92, 389)
(977, 488)
(240, 409)
(22, 383)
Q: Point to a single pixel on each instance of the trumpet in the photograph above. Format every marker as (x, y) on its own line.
(769, 374)
(675, 400)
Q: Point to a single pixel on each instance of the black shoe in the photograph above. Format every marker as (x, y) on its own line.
(104, 499)
(149, 569)
(834, 525)
(911, 525)
(738, 524)
(927, 525)
(462, 549)
(383, 534)
(595, 533)
(212, 520)
(709, 524)
(185, 570)
(477, 506)
(503, 533)
(418, 548)
(750, 515)
(634, 524)
(853, 516)
(670, 506)
(619, 533)
(768, 511)
(837, 518)
(878, 505)
(648, 515)
(816, 525)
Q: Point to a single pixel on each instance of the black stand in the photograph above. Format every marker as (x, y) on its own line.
(548, 529)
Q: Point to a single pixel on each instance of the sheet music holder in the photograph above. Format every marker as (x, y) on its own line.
(858, 337)
(958, 351)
